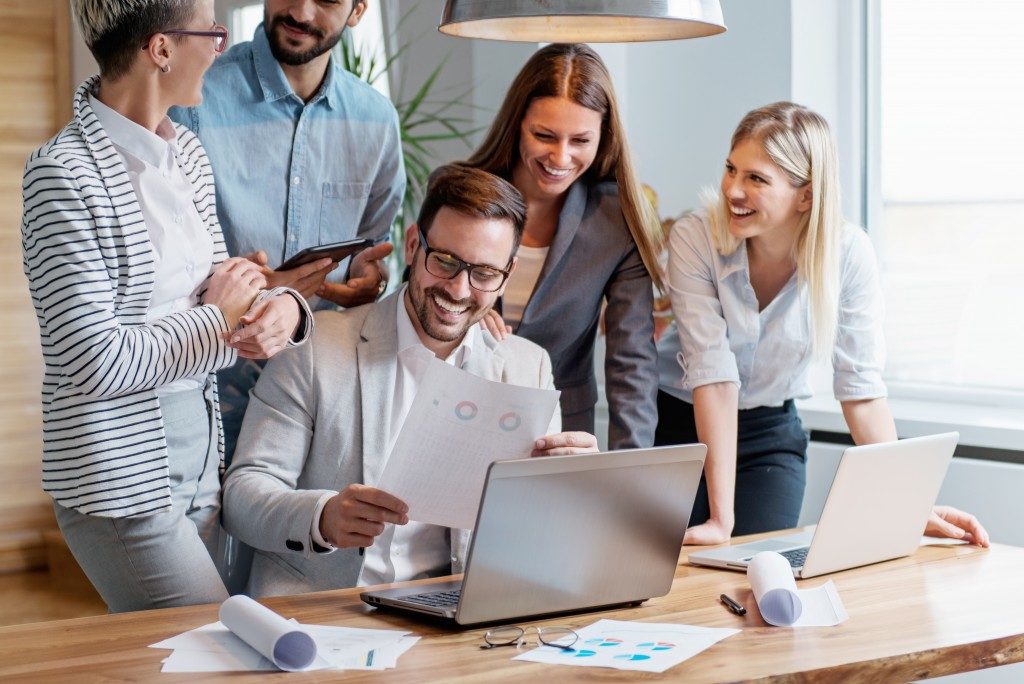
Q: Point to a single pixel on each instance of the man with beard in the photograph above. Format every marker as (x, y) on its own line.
(303, 154)
(321, 419)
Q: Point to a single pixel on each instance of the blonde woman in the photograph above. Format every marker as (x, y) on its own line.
(762, 280)
(591, 238)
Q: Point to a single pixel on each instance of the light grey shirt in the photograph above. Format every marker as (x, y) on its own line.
(415, 550)
(721, 336)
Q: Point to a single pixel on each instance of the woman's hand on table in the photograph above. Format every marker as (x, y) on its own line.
(711, 532)
(946, 521)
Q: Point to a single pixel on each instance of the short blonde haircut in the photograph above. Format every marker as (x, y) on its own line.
(115, 30)
(800, 143)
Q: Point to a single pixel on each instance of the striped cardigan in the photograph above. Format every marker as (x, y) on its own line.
(90, 267)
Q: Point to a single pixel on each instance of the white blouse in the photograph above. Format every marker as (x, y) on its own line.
(182, 246)
(721, 336)
(530, 262)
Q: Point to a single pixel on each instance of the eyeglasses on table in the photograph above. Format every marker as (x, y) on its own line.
(513, 635)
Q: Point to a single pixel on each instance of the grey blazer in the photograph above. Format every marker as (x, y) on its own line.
(593, 258)
(317, 422)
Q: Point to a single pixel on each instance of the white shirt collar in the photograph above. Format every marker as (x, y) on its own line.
(151, 148)
(408, 338)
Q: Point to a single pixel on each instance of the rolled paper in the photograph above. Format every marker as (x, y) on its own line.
(771, 581)
(278, 640)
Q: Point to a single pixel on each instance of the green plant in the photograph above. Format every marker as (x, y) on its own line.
(422, 119)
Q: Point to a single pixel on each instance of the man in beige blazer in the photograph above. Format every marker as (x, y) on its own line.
(315, 436)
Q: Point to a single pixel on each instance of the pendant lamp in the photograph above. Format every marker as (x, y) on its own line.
(582, 21)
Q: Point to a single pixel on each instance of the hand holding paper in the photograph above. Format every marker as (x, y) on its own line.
(357, 514)
(458, 425)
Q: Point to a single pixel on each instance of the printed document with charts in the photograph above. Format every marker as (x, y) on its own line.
(458, 425)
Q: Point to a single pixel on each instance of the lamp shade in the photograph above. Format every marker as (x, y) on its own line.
(582, 21)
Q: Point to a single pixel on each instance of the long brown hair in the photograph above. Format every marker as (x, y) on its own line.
(576, 72)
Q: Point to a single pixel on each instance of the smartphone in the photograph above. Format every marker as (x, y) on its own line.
(335, 250)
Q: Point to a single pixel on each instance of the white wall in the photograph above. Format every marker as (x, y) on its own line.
(477, 71)
(680, 99)
(82, 64)
(686, 97)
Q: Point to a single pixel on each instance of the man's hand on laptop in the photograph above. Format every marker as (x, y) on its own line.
(564, 443)
(357, 514)
(946, 521)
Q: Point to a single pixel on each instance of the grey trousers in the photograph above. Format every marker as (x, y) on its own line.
(164, 559)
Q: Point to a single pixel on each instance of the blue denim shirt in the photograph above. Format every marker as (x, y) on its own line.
(289, 174)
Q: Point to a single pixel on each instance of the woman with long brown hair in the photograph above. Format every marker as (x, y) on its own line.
(591, 237)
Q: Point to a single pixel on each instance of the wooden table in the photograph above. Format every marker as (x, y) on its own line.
(946, 609)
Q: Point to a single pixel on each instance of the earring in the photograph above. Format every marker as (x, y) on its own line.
(166, 68)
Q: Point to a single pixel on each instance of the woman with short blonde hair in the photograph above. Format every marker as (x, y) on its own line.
(138, 306)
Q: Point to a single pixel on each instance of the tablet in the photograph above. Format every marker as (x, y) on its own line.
(335, 250)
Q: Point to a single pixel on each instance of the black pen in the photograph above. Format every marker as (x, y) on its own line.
(732, 605)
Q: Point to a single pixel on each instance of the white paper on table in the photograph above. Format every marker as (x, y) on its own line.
(781, 604)
(822, 607)
(942, 541)
(212, 645)
(352, 648)
(247, 660)
(387, 656)
(214, 648)
(642, 646)
(458, 425)
(196, 639)
(282, 642)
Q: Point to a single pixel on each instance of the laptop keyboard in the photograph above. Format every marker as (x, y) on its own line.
(435, 599)
(796, 557)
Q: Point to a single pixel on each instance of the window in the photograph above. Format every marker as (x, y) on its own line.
(244, 21)
(949, 206)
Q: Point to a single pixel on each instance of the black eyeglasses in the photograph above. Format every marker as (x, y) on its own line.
(557, 637)
(218, 33)
(444, 265)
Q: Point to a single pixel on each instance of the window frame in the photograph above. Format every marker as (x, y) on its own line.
(870, 158)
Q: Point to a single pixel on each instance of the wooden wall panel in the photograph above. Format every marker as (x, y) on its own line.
(35, 99)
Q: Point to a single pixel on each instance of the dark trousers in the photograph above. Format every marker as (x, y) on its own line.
(771, 463)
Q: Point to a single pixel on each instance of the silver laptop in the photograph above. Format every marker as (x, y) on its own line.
(876, 510)
(567, 533)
